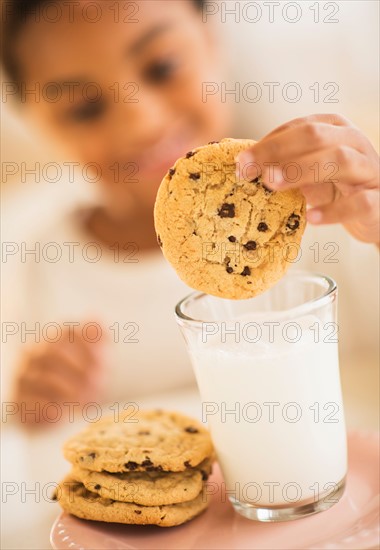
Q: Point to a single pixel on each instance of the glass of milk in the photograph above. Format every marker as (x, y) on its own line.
(268, 373)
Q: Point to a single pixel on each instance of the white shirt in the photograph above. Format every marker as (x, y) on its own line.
(130, 296)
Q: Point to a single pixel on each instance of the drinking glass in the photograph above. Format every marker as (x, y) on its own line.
(268, 373)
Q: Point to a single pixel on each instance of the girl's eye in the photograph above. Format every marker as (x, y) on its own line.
(87, 111)
(161, 71)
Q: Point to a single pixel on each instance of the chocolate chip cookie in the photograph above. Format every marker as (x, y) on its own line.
(227, 236)
(146, 488)
(77, 500)
(150, 441)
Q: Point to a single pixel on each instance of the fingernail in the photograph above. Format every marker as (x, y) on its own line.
(245, 165)
(314, 216)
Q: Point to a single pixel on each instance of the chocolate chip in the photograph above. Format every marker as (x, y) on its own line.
(138, 512)
(262, 227)
(159, 240)
(194, 176)
(229, 269)
(212, 142)
(250, 245)
(191, 430)
(227, 210)
(91, 455)
(97, 487)
(190, 154)
(144, 432)
(147, 462)
(163, 517)
(54, 496)
(204, 475)
(293, 222)
(246, 271)
(232, 239)
(131, 465)
(187, 464)
(256, 180)
(171, 172)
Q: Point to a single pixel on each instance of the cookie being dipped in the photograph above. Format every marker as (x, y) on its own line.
(225, 235)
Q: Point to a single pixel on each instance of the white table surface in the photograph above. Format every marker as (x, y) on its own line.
(34, 461)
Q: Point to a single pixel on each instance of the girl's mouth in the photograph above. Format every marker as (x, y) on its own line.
(156, 160)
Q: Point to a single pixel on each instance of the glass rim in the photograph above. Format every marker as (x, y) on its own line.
(303, 308)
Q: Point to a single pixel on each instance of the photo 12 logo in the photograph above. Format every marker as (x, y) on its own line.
(271, 412)
(53, 412)
(230, 11)
(91, 11)
(271, 92)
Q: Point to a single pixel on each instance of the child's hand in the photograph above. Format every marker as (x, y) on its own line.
(333, 164)
(65, 374)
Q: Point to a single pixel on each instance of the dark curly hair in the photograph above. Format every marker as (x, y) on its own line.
(15, 13)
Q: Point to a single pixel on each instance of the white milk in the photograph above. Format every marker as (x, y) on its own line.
(285, 442)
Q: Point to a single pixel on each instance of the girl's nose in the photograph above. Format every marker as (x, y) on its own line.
(140, 117)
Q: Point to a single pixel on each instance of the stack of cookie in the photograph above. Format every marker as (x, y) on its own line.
(145, 468)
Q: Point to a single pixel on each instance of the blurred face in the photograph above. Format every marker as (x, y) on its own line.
(131, 90)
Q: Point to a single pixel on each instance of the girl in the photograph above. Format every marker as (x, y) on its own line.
(129, 104)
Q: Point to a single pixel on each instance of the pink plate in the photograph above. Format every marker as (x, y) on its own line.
(351, 524)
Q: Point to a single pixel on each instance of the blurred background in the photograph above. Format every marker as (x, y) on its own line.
(335, 65)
